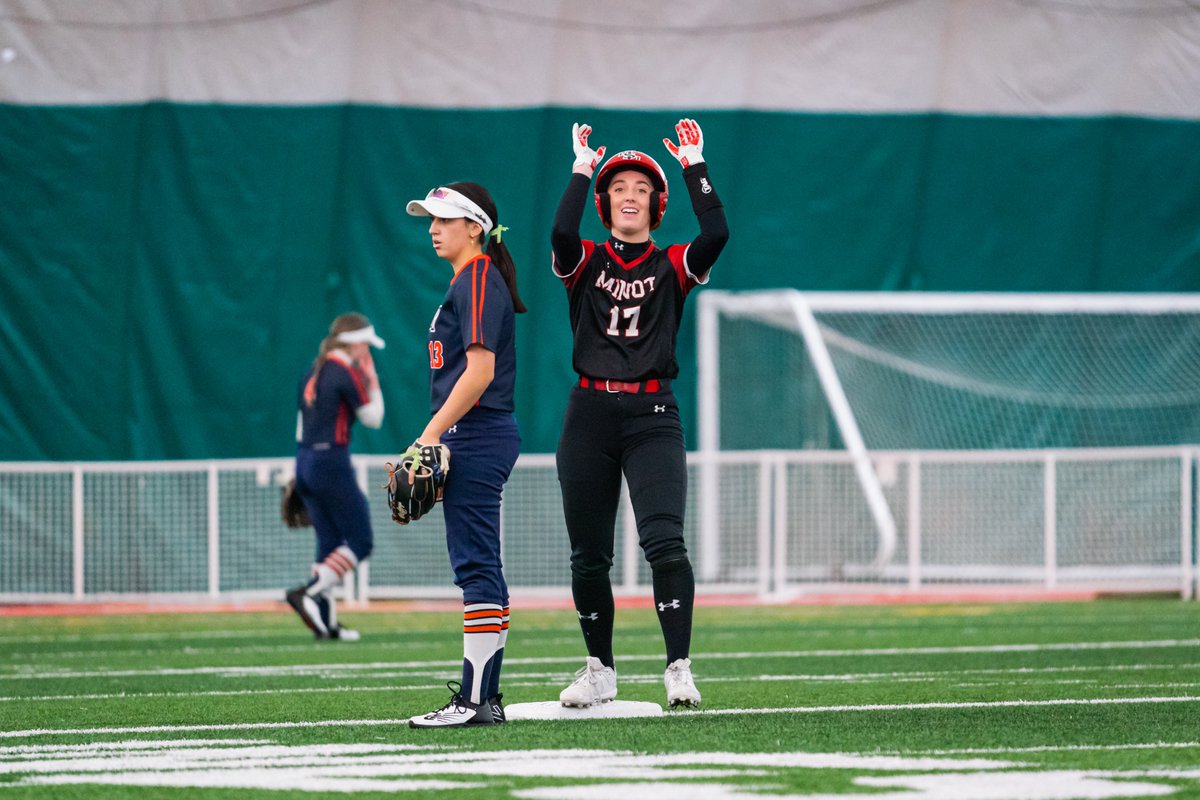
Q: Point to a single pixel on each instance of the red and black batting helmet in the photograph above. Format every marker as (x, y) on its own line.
(635, 160)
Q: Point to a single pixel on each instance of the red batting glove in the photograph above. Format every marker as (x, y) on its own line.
(691, 142)
(586, 158)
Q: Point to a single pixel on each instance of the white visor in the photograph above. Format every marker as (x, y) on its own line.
(366, 334)
(449, 204)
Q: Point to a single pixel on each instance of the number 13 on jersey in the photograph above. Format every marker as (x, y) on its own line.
(435, 355)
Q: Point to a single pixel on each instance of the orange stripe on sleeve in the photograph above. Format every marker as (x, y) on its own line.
(474, 302)
(360, 384)
(482, 294)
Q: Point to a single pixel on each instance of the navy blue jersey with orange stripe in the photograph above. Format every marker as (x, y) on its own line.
(625, 315)
(477, 310)
(340, 389)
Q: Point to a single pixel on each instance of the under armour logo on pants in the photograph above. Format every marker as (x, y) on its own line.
(595, 615)
(673, 604)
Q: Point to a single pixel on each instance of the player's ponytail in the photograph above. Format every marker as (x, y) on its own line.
(494, 246)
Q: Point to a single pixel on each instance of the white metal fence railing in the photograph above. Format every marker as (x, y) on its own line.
(782, 522)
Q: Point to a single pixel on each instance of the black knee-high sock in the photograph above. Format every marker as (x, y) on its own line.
(674, 597)
(594, 604)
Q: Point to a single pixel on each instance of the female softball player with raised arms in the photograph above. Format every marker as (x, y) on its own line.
(340, 387)
(626, 300)
(472, 366)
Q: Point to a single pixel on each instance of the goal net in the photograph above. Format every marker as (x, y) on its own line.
(992, 437)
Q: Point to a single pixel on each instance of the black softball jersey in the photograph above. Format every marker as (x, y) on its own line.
(626, 299)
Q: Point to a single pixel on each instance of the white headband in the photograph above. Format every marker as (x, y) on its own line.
(449, 204)
(366, 334)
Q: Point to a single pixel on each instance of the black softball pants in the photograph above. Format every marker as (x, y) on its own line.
(603, 435)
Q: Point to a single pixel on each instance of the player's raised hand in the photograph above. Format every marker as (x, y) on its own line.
(586, 158)
(367, 364)
(691, 143)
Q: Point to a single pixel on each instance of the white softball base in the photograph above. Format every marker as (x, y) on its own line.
(552, 709)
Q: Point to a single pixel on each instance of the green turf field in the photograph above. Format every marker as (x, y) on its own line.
(946, 702)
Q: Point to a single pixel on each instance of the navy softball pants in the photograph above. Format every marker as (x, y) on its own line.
(336, 505)
(483, 449)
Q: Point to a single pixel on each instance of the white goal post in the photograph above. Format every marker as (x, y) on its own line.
(790, 305)
(945, 372)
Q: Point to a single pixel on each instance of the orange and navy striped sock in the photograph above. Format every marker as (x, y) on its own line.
(482, 625)
(330, 572)
(493, 672)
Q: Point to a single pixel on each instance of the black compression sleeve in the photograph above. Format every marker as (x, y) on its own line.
(714, 233)
(564, 236)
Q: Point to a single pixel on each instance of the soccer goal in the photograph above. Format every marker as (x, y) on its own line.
(990, 437)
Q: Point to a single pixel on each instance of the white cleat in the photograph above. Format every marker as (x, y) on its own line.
(458, 713)
(344, 634)
(594, 684)
(681, 689)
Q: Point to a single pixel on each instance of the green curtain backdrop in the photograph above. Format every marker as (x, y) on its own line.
(167, 270)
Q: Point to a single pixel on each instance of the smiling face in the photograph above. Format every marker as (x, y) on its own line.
(629, 205)
(455, 240)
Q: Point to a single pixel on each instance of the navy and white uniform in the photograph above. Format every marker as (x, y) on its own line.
(325, 477)
(484, 443)
(626, 304)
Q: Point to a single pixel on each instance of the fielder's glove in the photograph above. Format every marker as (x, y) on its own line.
(691, 143)
(416, 481)
(295, 515)
(585, 157)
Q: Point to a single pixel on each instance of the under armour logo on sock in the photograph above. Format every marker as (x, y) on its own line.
(673, 604)
(592, 617)
(659, 409)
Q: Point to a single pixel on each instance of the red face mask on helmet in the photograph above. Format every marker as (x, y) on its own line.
(636, 160)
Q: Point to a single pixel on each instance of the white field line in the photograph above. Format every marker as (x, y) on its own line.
(1083, 701)
(234, 693)
(15, 659)
(240, 726)
(1051, 748)
(299, 637)
(44, 673)
(10, 644)
(539, 679)
(138, 636)
(1002, 684)
(54, 750)
(243, 747)
(818, 630)
(1096, 701)
(41, 656)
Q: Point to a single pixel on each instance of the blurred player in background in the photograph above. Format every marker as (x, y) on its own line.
(340, 387)
(626, 300)
(472, 363)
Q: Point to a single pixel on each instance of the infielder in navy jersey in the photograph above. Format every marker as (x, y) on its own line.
(626, 300)
(472, 369)
(339, 388)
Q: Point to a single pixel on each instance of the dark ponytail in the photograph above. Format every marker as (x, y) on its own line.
(495, 249)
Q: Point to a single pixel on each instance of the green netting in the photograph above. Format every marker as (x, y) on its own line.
(978, 380)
